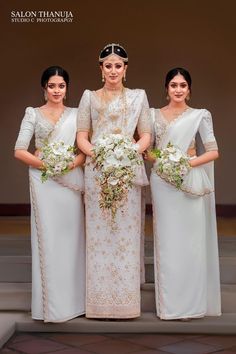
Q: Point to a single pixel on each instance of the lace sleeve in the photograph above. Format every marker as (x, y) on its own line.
(27, 129)
(84, 116)
(207, 133)
(144, 121)
(153, 130)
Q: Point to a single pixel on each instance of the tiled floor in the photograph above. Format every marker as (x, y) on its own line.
(118, 344)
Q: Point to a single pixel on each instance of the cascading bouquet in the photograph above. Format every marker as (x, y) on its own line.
(172, 164)
(116, 159)
(56, 157)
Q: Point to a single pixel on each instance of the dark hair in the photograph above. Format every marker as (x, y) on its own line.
(113, 49)
(173, 72)
(51, 71)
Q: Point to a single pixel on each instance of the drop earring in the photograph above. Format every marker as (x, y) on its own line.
(188, 97)
(103, 78)
(45, 95)
(124, 77)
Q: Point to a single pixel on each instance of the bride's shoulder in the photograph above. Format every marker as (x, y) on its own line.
(155, 114)
(71, 109)
(136, 93)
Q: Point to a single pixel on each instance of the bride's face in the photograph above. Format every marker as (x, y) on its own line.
(113, 70)
(55, 89)
(178, 89)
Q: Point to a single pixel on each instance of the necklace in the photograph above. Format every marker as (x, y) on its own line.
(116, 125)
(108, 93)
(113, 89)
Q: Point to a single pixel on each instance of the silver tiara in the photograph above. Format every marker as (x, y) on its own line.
(113, 51)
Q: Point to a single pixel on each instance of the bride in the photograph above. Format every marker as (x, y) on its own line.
(113, 256)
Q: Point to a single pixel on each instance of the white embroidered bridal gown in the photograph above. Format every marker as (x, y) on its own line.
(185, 238)
(113, 256)
(57, 225)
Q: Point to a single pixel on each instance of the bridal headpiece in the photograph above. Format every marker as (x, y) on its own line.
(113, 48)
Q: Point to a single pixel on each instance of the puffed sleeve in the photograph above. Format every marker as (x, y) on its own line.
(27, 129)
(84, 113)
(207, 133)
(144, 121)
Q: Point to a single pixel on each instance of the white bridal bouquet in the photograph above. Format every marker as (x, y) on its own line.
(173, 165)
(56, 157)
(116, 158)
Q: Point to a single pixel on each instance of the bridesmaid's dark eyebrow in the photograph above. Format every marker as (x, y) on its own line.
(178, 83)
(54, 83)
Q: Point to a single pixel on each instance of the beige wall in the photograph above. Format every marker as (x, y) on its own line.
(158, 35)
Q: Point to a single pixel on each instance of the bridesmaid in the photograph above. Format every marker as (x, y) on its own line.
(57, 216)
(113, 256)
(187, 283)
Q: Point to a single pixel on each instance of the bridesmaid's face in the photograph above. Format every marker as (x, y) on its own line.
(178, 89)
(113, 69)
(56, 89)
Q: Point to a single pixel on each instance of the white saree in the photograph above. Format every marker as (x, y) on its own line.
(57, 225)
(113, 256)
(187, 282)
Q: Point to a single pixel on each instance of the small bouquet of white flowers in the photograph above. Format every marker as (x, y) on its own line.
(172, 165)
(116, 158)
(56, 157)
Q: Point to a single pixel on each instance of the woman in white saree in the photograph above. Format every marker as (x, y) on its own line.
(113, 256)
(57, 212)
(187, 283)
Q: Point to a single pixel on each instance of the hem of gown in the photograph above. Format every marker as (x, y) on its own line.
(167, 317)
(59, 320)
(215, 315)
(170, 317)
(109, 316)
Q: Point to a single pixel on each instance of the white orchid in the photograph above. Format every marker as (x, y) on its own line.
(111, 161)
(126, 162)
(172, 164)
(119, 153)
(175, 156)
(56, 157)
(115, 158)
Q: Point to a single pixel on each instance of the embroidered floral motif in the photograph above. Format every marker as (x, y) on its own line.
(41, 252)
(210, 146)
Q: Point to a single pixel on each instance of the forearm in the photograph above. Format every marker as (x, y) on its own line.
(144, 142)
(28, 158)
(84, 144)
(204, 158)
(79, 160)
(86, 147)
